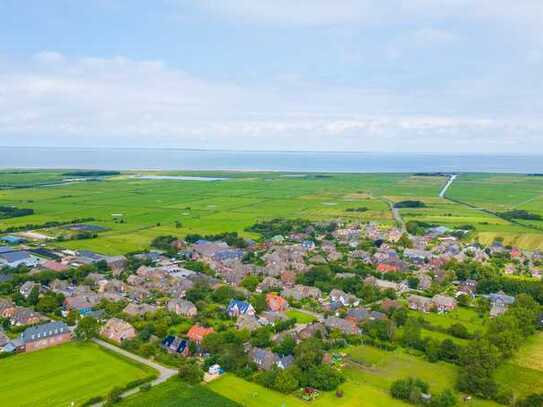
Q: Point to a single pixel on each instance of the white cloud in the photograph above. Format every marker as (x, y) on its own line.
(53, 99)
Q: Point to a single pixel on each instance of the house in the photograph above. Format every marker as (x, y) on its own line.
(299, 292)
(197, 333)
(385, 284)
(269, 283)
(417, 256)
(270, 317)
(276, 303)
(4, 339)
(499, 303)
(388, 305)
(139, 309)
(175, 344)
(342, 297)
(45, 335)
(284, 361)
(346, 326)
(237, 307)
(26, 289)
(248, 322)
(444, 303)
(55, 266)
(118, 330)
(182, 307)
(311, 330)
(308, 245)
(358, 315)
(377, 316)
(15, 258)
(81, 303)
(20, 316)
(215, 370)
(420, 303)
(264, 359)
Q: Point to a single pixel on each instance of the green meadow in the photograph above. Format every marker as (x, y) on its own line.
(58, 376)
(176, 393)
(156, 207)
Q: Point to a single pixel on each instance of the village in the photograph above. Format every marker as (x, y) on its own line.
(337, 282)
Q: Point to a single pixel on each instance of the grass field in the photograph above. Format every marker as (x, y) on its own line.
(68, 373)
(176, 393)
(524, 373)
(465, 316)
(152, 207)
(300, 316)
(368, 382)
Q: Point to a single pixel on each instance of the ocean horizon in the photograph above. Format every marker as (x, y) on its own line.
(169, 159)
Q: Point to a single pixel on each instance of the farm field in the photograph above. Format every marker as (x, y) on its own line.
(176, 393)
(153, 207)
(68, 373)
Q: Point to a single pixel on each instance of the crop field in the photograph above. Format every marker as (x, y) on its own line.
(136, 210)
(68, 373)
(176, 393)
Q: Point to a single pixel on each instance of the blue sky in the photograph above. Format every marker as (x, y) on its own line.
(366, 75)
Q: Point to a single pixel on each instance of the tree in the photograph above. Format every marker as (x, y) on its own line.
(72, 317)
(478, 360)
(33, 297)
(458, 330)
(412, 333)
(191, 372)
(259, 303)
(286, 346)
(399, 316)
(47, 303)
(445, 399)
(409, 389)
(86, 329)
(115, 395)
(261, 338)
(250, 282)
(449, 351)
(309, 353)
(286, 381)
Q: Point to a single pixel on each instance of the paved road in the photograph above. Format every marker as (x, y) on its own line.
(164, 372)
(447, 185)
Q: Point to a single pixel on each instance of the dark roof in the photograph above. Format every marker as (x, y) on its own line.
(12, 257)
(44, 331)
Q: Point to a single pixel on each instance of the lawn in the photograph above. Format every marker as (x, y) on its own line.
(368, 382)
(249, 394)
(176, 393)
(68, 373)
(465, 316)
(300, 316)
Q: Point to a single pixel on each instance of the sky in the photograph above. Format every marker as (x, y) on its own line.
(447, 76)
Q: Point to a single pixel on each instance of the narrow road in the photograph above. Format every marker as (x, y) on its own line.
(165, 373)
(396, 215)
(447, 185)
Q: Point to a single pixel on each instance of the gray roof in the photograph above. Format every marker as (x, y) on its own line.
(44, 331)
(12, 257)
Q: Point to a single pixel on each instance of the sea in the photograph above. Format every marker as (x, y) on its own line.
(287, 161)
